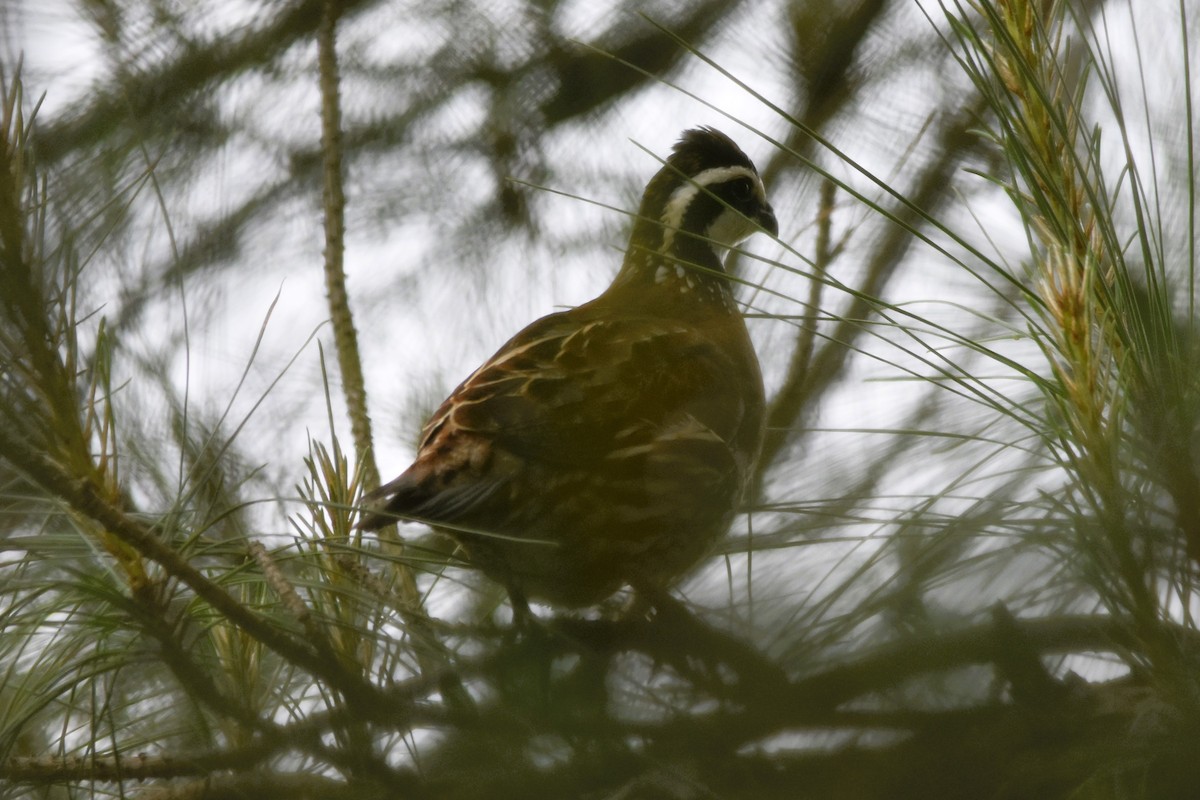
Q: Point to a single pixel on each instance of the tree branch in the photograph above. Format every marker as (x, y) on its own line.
(82, 496)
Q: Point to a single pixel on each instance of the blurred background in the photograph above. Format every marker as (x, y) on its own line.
(976, 328)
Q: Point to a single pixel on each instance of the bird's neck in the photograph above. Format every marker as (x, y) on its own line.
(675, 263)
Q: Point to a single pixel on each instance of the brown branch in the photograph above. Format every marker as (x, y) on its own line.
(813, 702)
(158, 93)
(788, 403)
(198, 684)
(83, 497)
(344, 335)
(140, 766)
(719, 746)
(346, 339)
(810, 700)
(267, 786)
(605, 70)
(909, 212)
(212, 765)
(283, 588)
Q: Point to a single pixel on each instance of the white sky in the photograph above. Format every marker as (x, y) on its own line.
(412, 358)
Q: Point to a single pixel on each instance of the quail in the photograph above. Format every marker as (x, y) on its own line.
(610, 444)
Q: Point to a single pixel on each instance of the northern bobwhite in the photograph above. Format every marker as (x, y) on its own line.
(610, 444)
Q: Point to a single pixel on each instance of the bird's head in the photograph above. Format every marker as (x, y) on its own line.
(707, 197)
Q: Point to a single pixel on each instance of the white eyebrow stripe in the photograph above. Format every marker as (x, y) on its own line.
(682, 197)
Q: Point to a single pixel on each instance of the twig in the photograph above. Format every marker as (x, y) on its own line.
(344, 335)
(83, 497)
(788, 403)
(283, 587)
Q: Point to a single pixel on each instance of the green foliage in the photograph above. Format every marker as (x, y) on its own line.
(970, 566)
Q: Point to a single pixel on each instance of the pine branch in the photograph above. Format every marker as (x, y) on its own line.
(156, 93)
(82, 497)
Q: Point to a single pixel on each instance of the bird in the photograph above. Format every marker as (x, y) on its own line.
(610, 444)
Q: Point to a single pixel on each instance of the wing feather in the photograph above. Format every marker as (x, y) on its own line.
(635, 402)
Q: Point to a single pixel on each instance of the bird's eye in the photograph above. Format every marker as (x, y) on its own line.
(740, 191)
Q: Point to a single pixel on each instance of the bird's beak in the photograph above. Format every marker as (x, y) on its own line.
(766, 218)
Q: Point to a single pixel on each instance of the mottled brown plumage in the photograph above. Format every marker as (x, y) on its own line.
(610, 444)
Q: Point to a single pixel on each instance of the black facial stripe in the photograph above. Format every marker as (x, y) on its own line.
(738, 193)
(714, 199)
(701, 212)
